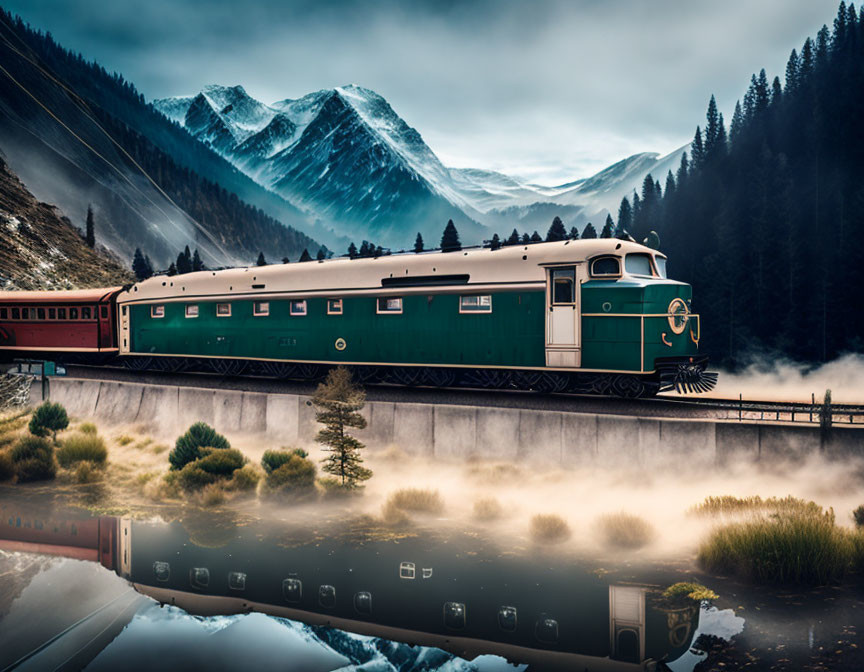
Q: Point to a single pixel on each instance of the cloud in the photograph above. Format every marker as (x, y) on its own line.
(554, 89)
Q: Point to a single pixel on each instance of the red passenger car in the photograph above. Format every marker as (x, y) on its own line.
(51, 323)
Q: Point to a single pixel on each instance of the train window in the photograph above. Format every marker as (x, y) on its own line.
(547, 630)
(162, 571)
(261, 308)
(334, 306)
(389, 305)
(40, 313)
(292, 590)
(73, 313)
(191, 310)
(363, 602)
(407, 570)
(86, 313)
(52, 313)
(223, 310)
(606, 266)
(25, 313)
(61, 313)
(199, 577)
(156, 311)
(507, 619)
(103, 312)
(298, 307)
(454, 615)
(327, 596)
(638, 264)
(16, 313)
(236, 580)
(563, 290)
(4, 314)
(660, 263)
(475, 304)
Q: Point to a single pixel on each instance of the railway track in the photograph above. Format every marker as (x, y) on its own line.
(661, 406)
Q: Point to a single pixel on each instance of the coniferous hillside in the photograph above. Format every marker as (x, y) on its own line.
(767, 222)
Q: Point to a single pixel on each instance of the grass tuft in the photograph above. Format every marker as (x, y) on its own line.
(87, 428)
(87, 472)
(7, 466)
(82, 448)
(858, 516)
(487, 509)
(393, 516)
(728, 505)
(213, 495)
(124, 440)
(549, 528)
(624, 530)
(417, 499)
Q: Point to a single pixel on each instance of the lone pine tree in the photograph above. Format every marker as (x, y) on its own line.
(90, 233)
(337, 402)
(450, 238)
(556, 230)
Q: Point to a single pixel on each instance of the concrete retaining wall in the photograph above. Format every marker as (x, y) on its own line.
(459, 432)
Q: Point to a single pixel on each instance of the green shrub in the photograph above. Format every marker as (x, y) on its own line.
(188, 447)
(333, 488)
(7, 466)
(245, 479)
(82, 448)
(192, 477)
(87, 428)
(416, 499)
(273, 459)
(624, 530)
(296, 476)
(549, 528)
(798, 547)
(124, 440)
(221, 462)
(858, 516)
(48, 419)
(681, 593)
(33, 458)
(87, 472)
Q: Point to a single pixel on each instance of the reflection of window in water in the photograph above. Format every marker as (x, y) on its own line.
(507, 619)
(363, 602)
(162, 571)
(407, 570)
(454, 615)
(627, 623)
(327, 596)
(237, 581)
(199, 577)
(427, 572)
(292, 590)
(546, 630)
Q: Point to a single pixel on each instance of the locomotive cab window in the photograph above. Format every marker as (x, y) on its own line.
(298, 307)
(475, 304)
(261, 308)
(660, 264)
(191, 310)
(389, 305)
(156, 311)
(223, 310)
(605, 267)
(563, 286)
(638, 264)
(334, 306)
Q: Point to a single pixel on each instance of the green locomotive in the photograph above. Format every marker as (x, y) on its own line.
(592, 316)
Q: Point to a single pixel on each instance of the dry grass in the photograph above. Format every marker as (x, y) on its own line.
(624, 530)
(487, 509)
(212, 495)
(394, 516)
(82, 448)
(549, 528)
(417, 499)
(729, 505)
(123, 440)
(87, 472)
(87, 428)
(495, 474)
(159, 448)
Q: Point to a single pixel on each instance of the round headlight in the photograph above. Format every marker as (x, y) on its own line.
(678, 315)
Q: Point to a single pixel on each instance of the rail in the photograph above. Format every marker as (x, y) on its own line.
(824, 413)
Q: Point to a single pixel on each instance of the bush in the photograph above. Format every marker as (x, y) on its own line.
(624, 530)
(48, 419)
(124, 440)
(82, 448)
(296, 476)
(7, 466)
(798, 547)
(87, 428)
(192, 477)
(487, 508)
(681, 593)
(416, 499)
(245, 479)
(333, 488)
(221, 462)
(33, 458)
(393, 515)
(188, 447)
(858, 516)
(87, 472)
(549, 528)
(212, 495)
(273, 459)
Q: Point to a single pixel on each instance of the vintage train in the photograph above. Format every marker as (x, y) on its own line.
(590, 316)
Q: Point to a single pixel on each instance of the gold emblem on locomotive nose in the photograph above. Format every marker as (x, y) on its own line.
(341, 344)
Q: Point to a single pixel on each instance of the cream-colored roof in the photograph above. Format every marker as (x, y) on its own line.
(511, 265)
(56, 296)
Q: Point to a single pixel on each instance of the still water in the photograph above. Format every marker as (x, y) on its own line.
(107, 593)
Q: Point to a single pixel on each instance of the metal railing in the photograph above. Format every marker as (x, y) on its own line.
(817, 412)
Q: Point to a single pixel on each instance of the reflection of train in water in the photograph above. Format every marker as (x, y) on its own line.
(592, 316)
(549, 614)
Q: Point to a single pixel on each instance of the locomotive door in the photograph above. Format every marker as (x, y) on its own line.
(563, 337)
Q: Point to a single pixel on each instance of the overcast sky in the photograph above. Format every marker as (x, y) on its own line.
(547, 89)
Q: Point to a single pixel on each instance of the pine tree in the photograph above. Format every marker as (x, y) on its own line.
(737, 123)
(513, 239)
(526, 239)
(574, 233)
(322, 255)
(90, 227)
(352, 251)
(556, 230)
(305, 256)
(141, 266)
(608, 228)
(418, 243)
(792, 74)
(696, 149)
(364, 249)
(337, 402)
(450, 238)
(589, 231)
(495, 243)
(286, 260)
(712, 128)
(625, 217)
(197, 264)
(261, 260)
(172, 269)
(536, 238)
